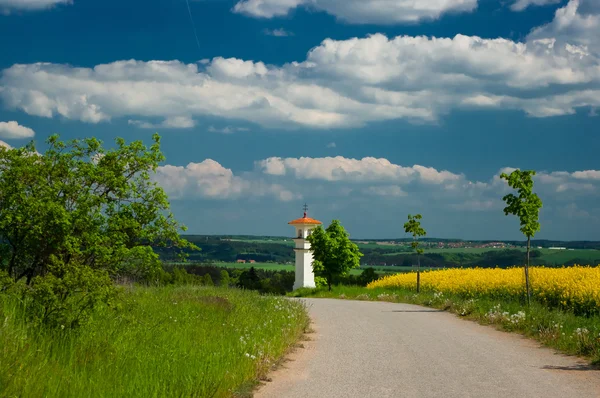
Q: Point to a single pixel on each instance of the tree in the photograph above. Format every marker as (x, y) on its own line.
(413, 226)
(333, 252)
(249, 280)
(224, 280)
(207, 280)
(367, 276)
(79, 210)
(527, 207)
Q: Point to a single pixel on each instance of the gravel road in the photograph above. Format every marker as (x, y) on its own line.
(377, 349)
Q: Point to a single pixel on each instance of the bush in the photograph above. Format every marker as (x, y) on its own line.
(67, 296)
(207, 280)
(320, 282)
(224, 281)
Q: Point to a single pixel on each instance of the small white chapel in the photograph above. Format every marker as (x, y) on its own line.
(305, 276)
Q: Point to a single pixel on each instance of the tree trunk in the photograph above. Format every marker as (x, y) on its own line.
(329, 282)
(418, 273)
(527, 287)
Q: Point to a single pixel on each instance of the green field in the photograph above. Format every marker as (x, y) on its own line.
(160, 342)
(289, 267)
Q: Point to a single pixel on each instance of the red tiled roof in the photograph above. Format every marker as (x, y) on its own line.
(305, 220)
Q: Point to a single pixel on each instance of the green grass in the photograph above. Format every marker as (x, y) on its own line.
(162, 342)
(562, 330)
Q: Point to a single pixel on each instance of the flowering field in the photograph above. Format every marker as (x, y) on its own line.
(574, 288)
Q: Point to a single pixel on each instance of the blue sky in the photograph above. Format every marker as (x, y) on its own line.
(366, 110)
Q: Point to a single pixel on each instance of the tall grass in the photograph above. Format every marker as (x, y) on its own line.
(173, 341)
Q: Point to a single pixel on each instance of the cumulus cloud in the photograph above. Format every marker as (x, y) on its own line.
(587, 175)
(341, 83)
(520, 5)
(15, 130)
(352, 170)
(27, 5)
(175, 122)
(370, 179)
(576, 25)
(210, 180)
(360, 11)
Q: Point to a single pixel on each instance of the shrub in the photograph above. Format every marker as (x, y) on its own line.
(207, 280)
(66, 296)
(224, 280)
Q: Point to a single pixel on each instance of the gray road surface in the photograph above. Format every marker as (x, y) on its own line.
(377, 349)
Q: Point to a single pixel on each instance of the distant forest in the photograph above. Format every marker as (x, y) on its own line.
(229, 249)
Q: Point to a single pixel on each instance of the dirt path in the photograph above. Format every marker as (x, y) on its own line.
(377, 349)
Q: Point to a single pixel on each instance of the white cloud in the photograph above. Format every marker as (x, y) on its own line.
(15, 130)
(5, 145)
(341, 83)
(174, 122)
(211, 180)
(352, 170)
(227, 129)
(587, 175)
(28, 5)
(576, 24)
(520, 5)
(280, 32)
(360, 11)
(331, 145)
(345, 182)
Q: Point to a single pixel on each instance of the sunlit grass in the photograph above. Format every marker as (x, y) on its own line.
(175, 342)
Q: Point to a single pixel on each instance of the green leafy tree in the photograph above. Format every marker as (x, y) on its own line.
(249, 279)
(80, 212)
(224, 279)
(334, 254)
(207, 280)
(527, 207)
(367, 276)
(413, 227)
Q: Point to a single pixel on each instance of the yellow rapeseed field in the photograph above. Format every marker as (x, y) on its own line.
(576, 288)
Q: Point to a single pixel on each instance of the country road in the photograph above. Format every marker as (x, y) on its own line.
(378, 349)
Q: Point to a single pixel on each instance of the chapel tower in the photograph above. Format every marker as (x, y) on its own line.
(305, 276)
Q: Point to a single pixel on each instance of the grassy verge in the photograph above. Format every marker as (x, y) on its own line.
(563, 330)
(171, 341)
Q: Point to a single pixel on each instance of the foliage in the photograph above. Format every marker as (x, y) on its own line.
(320, 282)
(158, 342)
(76, 214)
(249, 280)
(224, 281)
(67, 295)
(367, 276)
(334, 254)
(79, 204)
(207, 280)
(526, 206)
(575, 289)
(413, 226)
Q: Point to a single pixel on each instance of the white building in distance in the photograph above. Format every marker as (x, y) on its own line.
(305, 276)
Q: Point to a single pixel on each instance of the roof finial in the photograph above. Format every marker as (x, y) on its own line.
(305, 209)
